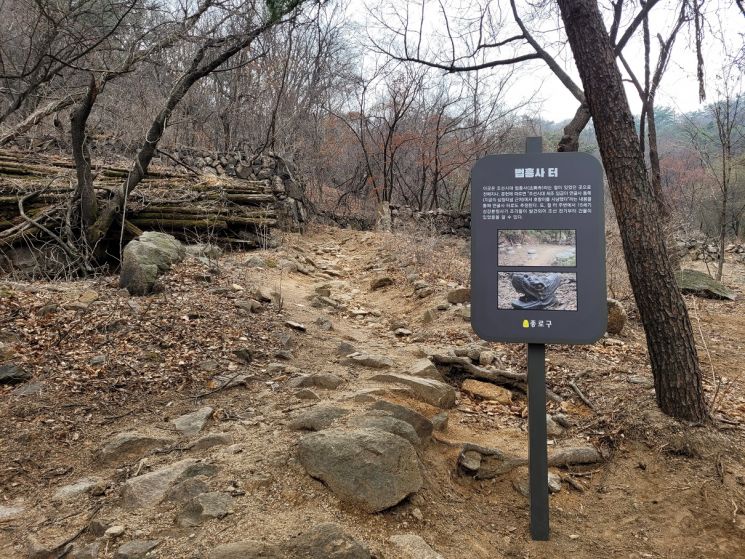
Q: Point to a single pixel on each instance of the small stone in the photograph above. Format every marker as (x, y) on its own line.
(130, 445)
(114, 531)
(81, 487)
(285, 354)
(186, 490)
(13, 374)
(417, 513)
(411, 546)
(192, 423)
(372, 361)
(440, 421)
(400, 332)
(98, 360)
(328, 381)
(89, 551)
(149, 489)
(324, 324)
(470, 461)
(429, 316)
(306, 394)
(136, 549)
(212, 440)
(486, 391)
(295, 326)
(460, 295)
(553, 429)
(317, 418)
(380, 282)
(487, 358)
(616, 317)
(554, 482)
(204, 507)
(345, 349)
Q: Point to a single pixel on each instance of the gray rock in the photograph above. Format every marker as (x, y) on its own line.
(421, 424)
(317, 418)
(10, 512)
(130, 445)
(369, 468)
(204, 507)
(306, 394)
(212, 440)
(430, 391)
(426, 369)
(145, 258)
(247, 550)
(89, 551)
(136, 549)
(616, 317)
(74, 490)
(440, 421)
(386, 423)
(186, 490)
(149, 489)
(372, 361)
(345, 349)
(28, 389)
(411, 546)
(192, 423)
(256, 262)
(703, 285)
(553, 429)
(460, 295)
(324, 324)
(13, 374)
(326, 541)
(380, 282)
(329, 381)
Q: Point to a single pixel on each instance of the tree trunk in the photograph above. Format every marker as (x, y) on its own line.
(672, 350)
(722, 226)
(85, 196)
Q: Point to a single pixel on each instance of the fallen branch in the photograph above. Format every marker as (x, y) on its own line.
(581, 395)
(488, 463)
(502, 378)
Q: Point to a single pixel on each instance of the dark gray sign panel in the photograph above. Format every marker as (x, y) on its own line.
(538, 248)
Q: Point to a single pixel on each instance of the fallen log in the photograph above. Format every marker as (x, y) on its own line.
(487, 463)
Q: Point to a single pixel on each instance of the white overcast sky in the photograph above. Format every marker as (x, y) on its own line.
(679, 88)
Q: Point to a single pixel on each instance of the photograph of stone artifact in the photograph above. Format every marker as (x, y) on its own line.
(537, 247)
(537, 291)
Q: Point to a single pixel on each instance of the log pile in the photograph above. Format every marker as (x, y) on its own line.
(36, 188)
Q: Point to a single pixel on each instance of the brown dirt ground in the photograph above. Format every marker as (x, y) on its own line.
(667, 490)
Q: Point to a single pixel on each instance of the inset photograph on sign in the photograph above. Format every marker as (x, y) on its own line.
(537, 247)
(537, 291)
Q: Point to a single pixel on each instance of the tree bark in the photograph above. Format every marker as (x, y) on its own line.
(672, 349)
(84, 196)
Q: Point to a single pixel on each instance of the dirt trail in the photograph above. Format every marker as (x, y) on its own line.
(664, 490)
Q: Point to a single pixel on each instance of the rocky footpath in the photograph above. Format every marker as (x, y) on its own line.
(318, 400)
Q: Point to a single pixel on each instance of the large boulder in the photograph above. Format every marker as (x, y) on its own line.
(145, 258)
(369, 468)
(702, 285)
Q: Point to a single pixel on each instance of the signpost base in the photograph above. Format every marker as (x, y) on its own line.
(537, 453)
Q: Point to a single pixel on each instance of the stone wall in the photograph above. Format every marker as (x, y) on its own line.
(283, 177)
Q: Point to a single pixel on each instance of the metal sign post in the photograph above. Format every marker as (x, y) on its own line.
(537, 453)
(538, 272)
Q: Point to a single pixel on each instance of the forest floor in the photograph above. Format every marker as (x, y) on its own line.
(104, 363)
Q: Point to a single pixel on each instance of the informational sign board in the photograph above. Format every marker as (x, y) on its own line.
(538, 248)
